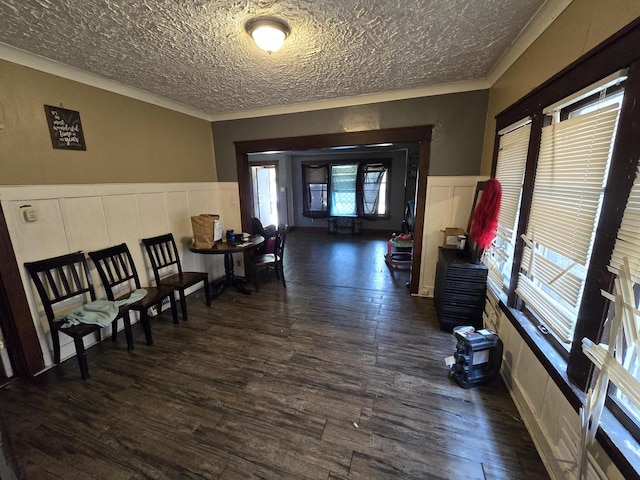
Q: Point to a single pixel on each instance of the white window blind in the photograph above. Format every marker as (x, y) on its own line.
(619, 361)
(628, 238)
(512, 157)
(571, 172)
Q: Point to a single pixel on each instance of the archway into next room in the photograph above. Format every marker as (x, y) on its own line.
(419, 134)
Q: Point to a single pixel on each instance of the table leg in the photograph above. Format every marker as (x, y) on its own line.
(230, 279)
(228, 269)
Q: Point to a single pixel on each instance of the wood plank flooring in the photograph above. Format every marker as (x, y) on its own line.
(339, 376)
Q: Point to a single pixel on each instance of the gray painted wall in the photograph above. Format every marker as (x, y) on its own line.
(456, 147)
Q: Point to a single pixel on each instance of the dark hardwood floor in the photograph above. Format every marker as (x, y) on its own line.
(340, 375)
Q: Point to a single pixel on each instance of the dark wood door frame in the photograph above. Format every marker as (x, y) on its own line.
(15, 317)
(420, 134)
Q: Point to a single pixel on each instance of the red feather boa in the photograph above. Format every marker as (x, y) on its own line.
(485, 217)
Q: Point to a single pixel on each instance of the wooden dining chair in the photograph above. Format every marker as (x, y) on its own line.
(167, 270)
(60, 282)
(119, 277)
(272, 261)
(269, 233)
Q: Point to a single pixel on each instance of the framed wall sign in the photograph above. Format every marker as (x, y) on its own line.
(65, 128)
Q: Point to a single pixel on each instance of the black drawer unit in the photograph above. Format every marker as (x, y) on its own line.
(459, 292)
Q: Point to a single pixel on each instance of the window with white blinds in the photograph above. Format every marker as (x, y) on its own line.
(570, 175)
(625, 263)
(628, 238)
(510, 165)
(618, 360)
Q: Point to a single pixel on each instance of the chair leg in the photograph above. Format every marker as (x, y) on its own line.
(174, 308)
(257, 275)
(114, 329)
(282, 275)
(183, 305)
(82, 357)
(55, 338)
(207, 291)
(144, 318)
(126, 319)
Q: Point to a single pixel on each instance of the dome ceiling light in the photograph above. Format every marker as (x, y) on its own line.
(268, 33)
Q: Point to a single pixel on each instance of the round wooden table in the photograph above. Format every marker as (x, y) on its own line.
(228, 249)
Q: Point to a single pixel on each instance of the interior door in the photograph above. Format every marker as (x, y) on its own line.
(265, 193)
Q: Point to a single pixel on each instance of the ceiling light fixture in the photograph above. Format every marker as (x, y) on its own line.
(268, 33)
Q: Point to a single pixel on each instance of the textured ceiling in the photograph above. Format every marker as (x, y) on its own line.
(197, 52)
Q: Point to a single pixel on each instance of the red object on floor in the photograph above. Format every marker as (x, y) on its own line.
(485, 217)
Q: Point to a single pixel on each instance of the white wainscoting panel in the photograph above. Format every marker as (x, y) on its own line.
(195, 202)
(230, 211)
(42, 239)
(448, 204)
(91, 217)
(153, 214)
(123, 219)
(532, 379)
(552, 423)
(84, 223)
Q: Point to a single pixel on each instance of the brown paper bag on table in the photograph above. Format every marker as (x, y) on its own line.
(203, 229)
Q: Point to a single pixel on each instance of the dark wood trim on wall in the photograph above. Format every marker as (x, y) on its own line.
(308, 142)
(420, 134)
(418, 225)
(15, 316)
(525, 201)
(494, 160)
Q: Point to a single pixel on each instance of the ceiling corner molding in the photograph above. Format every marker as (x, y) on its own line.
(26, 59)
(545, 16)
(357, 100)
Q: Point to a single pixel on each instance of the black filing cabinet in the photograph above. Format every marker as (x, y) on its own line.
(459, 293)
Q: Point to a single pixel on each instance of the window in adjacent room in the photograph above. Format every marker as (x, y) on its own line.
(315, 180)
(347, 190)
(372, 190)
(343, 190)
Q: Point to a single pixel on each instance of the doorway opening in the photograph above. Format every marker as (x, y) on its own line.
(264, 183)
(419, 134)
